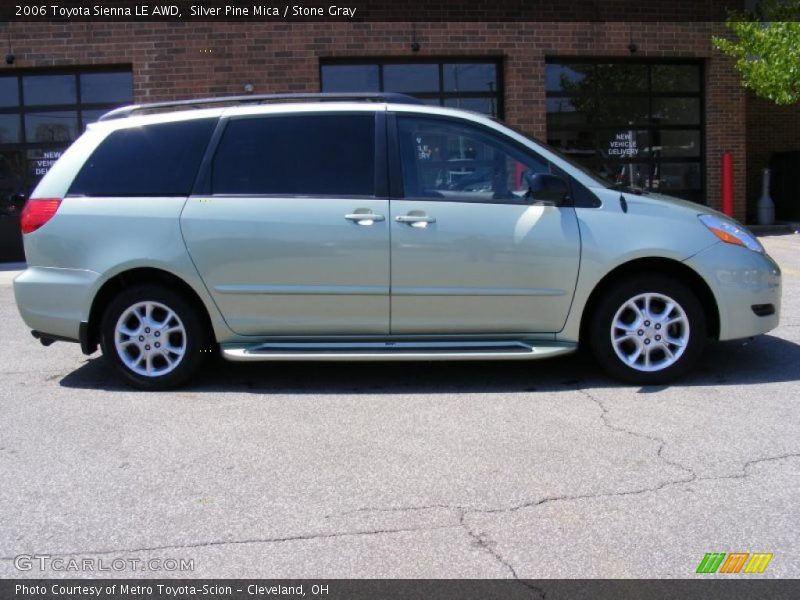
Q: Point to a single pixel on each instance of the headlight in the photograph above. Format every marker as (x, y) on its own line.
(730, 232)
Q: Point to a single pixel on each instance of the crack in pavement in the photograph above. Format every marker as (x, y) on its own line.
(749, 464)
(460, 513)
(662, 444)
(275, 540)
(487, 546)
(369, 509)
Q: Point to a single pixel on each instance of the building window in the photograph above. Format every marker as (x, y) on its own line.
(471, 84)
(42, 113)
(638, 123)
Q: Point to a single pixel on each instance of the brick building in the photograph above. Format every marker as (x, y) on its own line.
(648, 103)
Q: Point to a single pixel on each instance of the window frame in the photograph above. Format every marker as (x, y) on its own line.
(214, 125)
(599, 129)
(204, 185)
(79, 107)
(396, 185)
(441, 95)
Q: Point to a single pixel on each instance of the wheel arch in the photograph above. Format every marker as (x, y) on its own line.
(650, 266)
(131, 277)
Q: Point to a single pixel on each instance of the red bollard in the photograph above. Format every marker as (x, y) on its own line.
(726, 184)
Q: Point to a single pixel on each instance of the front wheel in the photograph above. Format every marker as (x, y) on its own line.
(154, 337)
(648, 330)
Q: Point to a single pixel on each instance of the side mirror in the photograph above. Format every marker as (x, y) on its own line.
(544, 187)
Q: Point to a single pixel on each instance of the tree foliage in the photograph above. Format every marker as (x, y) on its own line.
(767, 49)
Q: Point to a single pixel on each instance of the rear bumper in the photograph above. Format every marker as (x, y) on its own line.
(744, 284)
(54, 302)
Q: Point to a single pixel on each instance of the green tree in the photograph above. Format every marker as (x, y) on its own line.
(766, 47)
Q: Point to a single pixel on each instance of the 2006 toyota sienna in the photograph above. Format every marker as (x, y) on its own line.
(369, 227)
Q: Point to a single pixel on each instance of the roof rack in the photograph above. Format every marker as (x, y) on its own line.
(127, 111)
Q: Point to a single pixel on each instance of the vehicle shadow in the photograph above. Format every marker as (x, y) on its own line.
(766, 359)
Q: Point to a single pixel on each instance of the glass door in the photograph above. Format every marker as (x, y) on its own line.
(12, 198)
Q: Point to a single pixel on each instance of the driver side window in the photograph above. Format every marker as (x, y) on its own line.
(442, 158)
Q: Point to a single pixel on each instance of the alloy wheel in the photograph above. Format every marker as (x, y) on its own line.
(650, 332)
(150, 339)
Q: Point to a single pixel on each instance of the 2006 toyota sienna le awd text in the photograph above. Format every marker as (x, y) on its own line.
(370, 227)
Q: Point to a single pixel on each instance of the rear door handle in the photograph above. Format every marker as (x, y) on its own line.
(415, 220)
(365, 218)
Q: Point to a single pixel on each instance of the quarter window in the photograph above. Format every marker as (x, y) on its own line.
(454, 161)
(306, 155)
(154, 160)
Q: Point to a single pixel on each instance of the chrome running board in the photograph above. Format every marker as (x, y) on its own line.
(343, 351)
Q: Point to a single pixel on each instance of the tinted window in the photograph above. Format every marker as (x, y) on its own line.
(678, 142)
(567, 77)
(9, 129)
(350, 78)
(677, 111)
(91, 116)
(624, 120)
(622, 77)
(49, 89)
(411, 78)
(61, 126)
(450, 160)
(460, 83)
(481, 105)
(106, 87)
(9, 92)
(155, 160)
(468, 77)
(330, 155)
(622, 110)
(676, 78)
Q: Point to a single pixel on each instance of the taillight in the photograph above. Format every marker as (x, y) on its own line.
(37, 212)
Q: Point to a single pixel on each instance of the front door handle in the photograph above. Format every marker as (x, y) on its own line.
(415, 220)
(365, 218)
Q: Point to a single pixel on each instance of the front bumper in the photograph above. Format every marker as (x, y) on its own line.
(743, 283)
(55, 301)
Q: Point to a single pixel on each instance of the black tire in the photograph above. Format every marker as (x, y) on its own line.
(606, 311)
(196, 339)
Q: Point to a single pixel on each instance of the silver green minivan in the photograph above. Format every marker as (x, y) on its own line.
(369, 227)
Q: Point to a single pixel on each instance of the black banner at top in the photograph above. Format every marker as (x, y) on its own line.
(368, 10)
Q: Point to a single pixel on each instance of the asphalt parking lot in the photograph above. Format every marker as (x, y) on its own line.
(530, 470)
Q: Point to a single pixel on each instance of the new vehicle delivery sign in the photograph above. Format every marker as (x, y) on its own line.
(623, 145)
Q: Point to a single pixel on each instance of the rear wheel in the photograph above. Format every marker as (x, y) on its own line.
(648, 330)
(154, 337)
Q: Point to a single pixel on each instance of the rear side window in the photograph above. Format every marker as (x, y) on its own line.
(297, 155)
(154, 160)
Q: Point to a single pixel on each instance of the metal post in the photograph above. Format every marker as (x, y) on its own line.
(726, 184)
